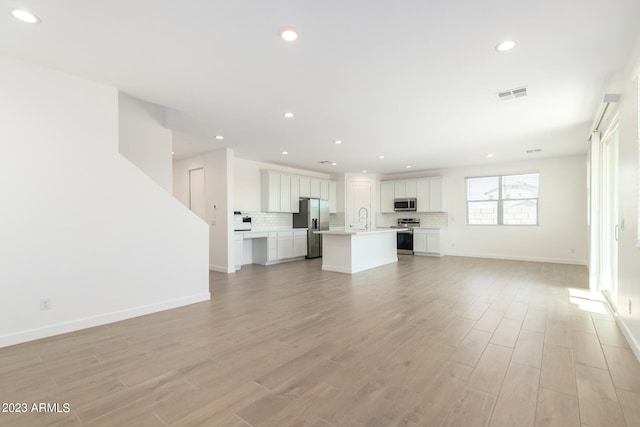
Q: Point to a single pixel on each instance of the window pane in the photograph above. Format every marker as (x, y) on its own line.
(479, 213)
(520, 212)
(520, 186)
(483, 188)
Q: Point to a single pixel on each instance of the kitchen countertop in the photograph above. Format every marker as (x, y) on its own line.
(357, 232)
(267, 230)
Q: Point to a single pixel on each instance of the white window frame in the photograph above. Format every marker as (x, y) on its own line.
(638, 165)
(500, 200)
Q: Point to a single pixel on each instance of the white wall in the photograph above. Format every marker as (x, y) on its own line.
(144, 140)
(562, 234)
(629, 175)
(219, 183)
(79, 224)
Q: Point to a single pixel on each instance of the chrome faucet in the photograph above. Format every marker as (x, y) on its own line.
(366, 217)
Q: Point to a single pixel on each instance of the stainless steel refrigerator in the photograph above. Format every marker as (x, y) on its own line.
(314, 215)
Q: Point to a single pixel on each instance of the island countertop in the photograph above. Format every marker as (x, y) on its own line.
(357, 232)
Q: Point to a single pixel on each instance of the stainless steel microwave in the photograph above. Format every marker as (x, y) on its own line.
(405, 204)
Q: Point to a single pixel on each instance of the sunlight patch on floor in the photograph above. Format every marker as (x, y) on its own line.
(586, 300)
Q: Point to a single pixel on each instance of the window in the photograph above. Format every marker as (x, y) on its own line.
(503, 200)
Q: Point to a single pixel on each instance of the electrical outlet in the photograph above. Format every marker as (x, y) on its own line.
(45, 304)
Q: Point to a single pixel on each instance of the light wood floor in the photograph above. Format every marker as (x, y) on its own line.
(427, 342)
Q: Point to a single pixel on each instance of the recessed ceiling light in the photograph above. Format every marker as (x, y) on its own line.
(289, 34)
(489, 155)
(25, 16)
(364, 171)
(288, 115)
(337, 141)
(506, 45)
(408, 166)
(173, 152)
(285, 152)
(219, 137)
(333, 163)
(381, 157)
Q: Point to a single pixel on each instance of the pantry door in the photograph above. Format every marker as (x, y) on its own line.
(196, 192)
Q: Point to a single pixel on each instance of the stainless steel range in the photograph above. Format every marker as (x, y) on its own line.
(405, 234)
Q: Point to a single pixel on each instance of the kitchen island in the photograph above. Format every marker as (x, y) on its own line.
(354, 251)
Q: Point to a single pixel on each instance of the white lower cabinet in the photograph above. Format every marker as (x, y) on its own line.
(428, 241)
(237, 256)
(272, 246)
(419, 241)
(299, 243)
(269, 247)
(285, 244)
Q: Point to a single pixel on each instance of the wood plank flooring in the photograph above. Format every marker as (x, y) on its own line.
(427, 342)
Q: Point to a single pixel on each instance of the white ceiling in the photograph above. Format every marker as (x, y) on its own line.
(414, 81)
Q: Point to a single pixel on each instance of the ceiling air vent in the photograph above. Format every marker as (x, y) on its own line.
(512, 93)
(533, 150)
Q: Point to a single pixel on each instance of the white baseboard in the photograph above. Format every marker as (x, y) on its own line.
(102, 319)
(517, 258)
(633, 343)
(221, 269)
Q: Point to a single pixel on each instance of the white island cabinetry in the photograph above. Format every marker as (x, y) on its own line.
(428, 241)
(354, 251)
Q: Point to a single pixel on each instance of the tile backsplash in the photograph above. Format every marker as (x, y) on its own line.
(336, 220)
(270, 220)
(427, 219)
(282, 221)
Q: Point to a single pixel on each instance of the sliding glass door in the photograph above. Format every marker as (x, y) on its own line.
(609, 238)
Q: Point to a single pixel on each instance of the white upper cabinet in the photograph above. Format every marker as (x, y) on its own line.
(422, 195)
(285, 193)
(411, 188)
(333, 197)
(271, 185)
(281, 192)
(315, 188)
(295, 193)
(429, 193)
(324, 189)
(387, 194)
(305, 186)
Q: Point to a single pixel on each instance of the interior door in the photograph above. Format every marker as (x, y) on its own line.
(358, 212)
(610, 226)
(196, 192)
